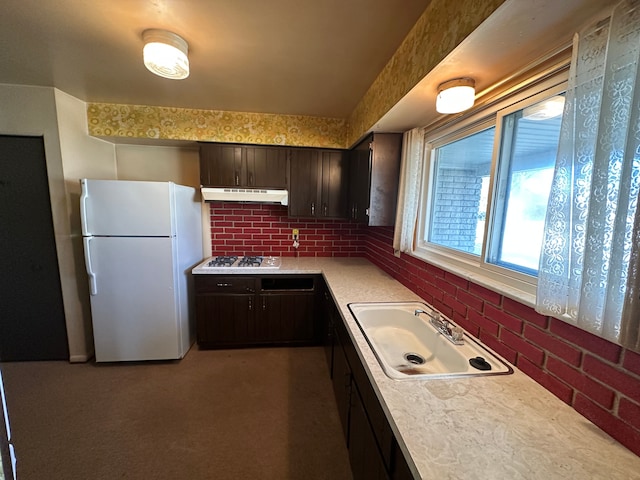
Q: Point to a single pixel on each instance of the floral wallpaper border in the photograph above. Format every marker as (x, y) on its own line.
(168, 123)
(439, 30)
(443, 26)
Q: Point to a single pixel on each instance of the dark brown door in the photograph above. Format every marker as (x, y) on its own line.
(304, 191)
(334, 185)
(359, 181)
(365, 459)
(342, 386)
(288, 317)
(222, 165)
(225, 319)
(32, 322)
(266, 167)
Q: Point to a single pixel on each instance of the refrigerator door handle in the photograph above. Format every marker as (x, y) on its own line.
(93, 285)
(83, 207)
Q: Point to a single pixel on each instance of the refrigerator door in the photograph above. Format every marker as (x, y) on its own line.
(126, 208)
(134, 299)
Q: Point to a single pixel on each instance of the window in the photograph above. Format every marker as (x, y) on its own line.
(486, 187)
(460, 191)
(526, 162)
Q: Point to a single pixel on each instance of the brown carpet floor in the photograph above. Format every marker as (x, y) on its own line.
(216, 414)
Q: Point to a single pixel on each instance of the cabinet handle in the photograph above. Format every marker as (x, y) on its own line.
(237, 179)
(355, 211)
(250, 305)
(224, 284)
(251, 179)
(324, 209)
(313, 208)
(264, 304)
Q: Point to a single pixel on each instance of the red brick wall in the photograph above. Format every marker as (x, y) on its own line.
(260, 229)
(599, 379)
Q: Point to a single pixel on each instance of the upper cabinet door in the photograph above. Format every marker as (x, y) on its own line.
(267, 167)
(304, 193)
(229, 165)
(359, 179)
(375, 172)
(334, 184)
(318, 183)
(222, 165)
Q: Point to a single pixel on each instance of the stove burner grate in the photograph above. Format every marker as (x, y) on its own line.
(253, 261)
(223, 261)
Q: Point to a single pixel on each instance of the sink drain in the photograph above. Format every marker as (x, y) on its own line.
(414, 358)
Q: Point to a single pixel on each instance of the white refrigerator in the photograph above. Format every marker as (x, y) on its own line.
(141, 240)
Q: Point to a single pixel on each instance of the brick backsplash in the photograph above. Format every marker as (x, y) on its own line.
(265, 229)
(599, 379)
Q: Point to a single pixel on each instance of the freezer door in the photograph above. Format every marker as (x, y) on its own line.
(134, 303)
(126, 208)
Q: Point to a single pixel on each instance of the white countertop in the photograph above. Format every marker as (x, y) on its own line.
(486, 428)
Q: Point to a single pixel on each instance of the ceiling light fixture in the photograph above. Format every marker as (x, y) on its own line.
(549, 108)
(455, 95)
(165, 54)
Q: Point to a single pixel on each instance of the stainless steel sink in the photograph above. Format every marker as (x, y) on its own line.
(408, 346)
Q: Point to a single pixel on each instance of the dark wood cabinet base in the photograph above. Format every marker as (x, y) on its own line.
(235, 311)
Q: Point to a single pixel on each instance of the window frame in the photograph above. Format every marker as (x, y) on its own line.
(512, 283)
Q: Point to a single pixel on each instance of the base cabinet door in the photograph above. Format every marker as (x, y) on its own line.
(341, 388)
(328, 314)
(231, 320)
(287, 318)
(366, 461)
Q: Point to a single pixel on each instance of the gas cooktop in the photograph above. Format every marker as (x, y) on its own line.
(228, 262)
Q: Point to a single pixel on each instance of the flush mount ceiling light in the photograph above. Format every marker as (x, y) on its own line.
(165, 54)
(550, 108)
(455, 95)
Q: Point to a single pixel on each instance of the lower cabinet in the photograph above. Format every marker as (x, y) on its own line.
(373, 450)
(341, 378)
(249, 310)
(365, 464)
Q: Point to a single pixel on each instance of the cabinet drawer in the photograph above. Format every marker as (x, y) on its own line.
(230, 284)
(289, 283)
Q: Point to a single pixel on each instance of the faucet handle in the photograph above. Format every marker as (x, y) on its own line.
(456, 334)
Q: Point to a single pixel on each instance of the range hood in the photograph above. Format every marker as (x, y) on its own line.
(254, 195)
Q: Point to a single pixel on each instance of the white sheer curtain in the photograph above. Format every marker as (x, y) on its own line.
(408, 190)
(589, 272)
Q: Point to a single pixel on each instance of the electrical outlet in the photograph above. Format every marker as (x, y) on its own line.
(295, 233)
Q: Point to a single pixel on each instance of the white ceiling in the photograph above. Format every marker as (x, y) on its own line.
(304, 57)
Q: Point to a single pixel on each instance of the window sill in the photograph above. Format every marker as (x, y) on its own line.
(514, 289)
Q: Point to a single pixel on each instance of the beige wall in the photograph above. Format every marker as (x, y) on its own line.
(165, 164)
(156, 163)
(82, 157)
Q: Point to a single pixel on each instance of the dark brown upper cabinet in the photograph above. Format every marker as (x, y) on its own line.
(374, 166)
(232, 165)
(318, 183)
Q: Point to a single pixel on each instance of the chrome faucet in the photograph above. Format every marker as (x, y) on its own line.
(450, 331)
